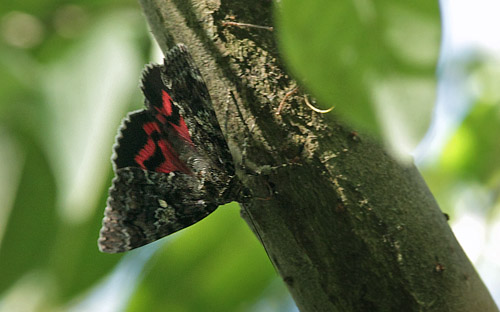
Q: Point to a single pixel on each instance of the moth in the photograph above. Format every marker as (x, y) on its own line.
(171, 161)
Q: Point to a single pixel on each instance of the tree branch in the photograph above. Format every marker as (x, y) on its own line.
(346, 226)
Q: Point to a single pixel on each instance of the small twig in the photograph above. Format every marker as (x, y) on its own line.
(283, 101)
(247, 25)
(322, 111)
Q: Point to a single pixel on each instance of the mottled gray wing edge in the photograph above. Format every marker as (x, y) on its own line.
(144, 206)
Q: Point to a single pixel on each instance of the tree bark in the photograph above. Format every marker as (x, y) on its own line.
(346, 227)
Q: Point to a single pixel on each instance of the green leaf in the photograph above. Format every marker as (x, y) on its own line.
(53, 228)
(31, 228)
(76, 262)
(215, 265)
(473, 152)
(373, 60)
(469, 159)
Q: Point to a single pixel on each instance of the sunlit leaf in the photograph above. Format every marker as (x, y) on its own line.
(473, 153)
(215, 265)
(373, 60)
(32, 225)
(83, 121)
(76, 263)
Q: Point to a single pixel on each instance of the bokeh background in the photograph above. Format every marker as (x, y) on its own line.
(69, 72)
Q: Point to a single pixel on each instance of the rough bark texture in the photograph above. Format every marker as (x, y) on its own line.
(347, 227)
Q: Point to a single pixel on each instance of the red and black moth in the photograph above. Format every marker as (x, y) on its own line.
(172, 164)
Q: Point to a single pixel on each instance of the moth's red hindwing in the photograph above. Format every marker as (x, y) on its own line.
(141, 144)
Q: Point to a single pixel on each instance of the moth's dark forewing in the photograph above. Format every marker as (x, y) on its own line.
(152, 87)
(144, 206)
(180, 73)
(159, 105)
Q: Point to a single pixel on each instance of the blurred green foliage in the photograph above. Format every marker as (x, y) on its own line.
(473, 152)
(470, 160)
(216, 266)
(374, 61)
(70, 72)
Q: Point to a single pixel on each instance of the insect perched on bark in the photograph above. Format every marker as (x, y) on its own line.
(171, 160)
